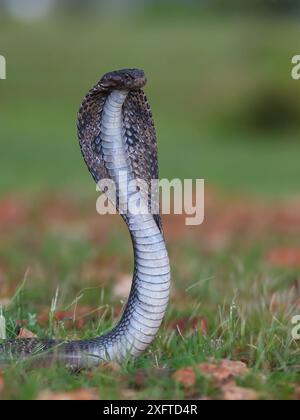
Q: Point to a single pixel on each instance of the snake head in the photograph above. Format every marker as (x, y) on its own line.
(127, 79)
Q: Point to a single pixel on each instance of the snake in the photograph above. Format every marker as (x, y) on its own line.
(118, 141)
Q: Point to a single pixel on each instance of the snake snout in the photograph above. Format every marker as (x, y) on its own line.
(126, 79)
(136, 78)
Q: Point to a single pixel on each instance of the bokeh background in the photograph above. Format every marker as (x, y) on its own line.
(227, 110)
(225, 105)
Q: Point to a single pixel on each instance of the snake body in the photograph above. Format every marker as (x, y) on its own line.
(118, 142)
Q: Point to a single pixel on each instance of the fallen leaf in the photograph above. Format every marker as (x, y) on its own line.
(140, 379)
(284, 257)
(186, 377)
(77, 317)
(236, 368)
(1, 383)
(221, 372)
(224, 371)
(118, 311)
(297, 394)
(88, 394)
(25, 334)
(231, 392)
(68, 317)
(128, 394)
(111, 367)
(198, 323)
(11, 213)
(216, 372)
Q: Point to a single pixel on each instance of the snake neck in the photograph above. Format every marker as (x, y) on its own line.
(149, 294)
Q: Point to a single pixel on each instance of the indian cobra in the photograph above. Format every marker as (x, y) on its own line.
(118, 142)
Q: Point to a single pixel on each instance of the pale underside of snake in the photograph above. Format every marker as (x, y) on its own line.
(118, 142)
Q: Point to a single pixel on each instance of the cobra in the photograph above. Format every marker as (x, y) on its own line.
(118, 142)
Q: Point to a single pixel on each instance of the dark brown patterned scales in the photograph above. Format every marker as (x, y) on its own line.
(117, 136)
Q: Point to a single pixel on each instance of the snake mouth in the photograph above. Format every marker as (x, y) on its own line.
(126, 79)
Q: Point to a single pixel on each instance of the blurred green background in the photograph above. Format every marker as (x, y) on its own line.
(225, 105)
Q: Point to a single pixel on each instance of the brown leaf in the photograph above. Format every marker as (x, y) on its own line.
(111, 367)
(297, 394)
(1, 383)
(223, 371)
(68, 317)
(236, 368)
(25, 334)
(284, 257)
(216, 372)
(84, 394)
(183, 325)
(77, 317)
(11, 213)
(186, 377)
(231, 392)
(140, 379)
(128, 394)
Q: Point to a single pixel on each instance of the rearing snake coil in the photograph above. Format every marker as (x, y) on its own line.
(118, 142)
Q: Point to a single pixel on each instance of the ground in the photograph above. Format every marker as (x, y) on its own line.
(235, 290)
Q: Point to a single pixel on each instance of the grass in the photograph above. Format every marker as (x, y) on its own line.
(247, 304)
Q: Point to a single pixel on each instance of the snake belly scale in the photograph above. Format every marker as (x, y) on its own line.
(118, 142)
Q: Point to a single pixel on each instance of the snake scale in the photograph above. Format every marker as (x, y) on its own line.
(118, 142)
